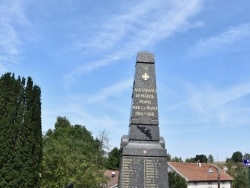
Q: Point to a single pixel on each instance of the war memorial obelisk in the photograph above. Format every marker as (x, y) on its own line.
(143, 160)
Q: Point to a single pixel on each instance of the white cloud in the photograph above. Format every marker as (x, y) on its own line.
(208, 98)
(224, 107)
(77, 107)
(221, 41)
(199, 106)
(114, 90)
(79, 110)
(3, 69)
(137, 27)
(78, 114)
(113, 30)
(12, 18)
(70, 78)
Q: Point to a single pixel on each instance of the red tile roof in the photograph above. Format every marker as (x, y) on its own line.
(194, 172)
(113, 180)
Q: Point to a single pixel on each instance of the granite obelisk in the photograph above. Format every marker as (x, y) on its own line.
(143, 160)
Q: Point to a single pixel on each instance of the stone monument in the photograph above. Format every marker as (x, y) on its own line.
(143, 160)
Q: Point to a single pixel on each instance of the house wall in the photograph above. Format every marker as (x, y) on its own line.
(226, 184)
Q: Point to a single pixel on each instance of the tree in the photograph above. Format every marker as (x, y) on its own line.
(71, 155)
(104, 142)
(240, 177)
(237, 157)
(210, 158)
(201, 158)
(246, 156)
(229, 160)
(113, 160)
(176, 159)
(62, 123)
(168, 157)
(239, 173)
(21, 134)
(176, 181)
(190, 160)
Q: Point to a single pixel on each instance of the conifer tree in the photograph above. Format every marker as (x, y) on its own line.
(21, 135)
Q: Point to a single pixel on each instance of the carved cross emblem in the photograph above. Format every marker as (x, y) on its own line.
(145, 76)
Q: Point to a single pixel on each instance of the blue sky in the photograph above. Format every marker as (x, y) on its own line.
(82, 54)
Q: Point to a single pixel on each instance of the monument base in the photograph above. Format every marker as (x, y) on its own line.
(143, 164)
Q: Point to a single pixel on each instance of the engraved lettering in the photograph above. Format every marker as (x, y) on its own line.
(137, 89)
(151, 108)
(145, 90)
(147, 96)
(139, 113)
(136, 107)
(149, 113)
(144, 101)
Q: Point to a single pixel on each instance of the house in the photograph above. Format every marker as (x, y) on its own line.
(197, 175)
(112, 178)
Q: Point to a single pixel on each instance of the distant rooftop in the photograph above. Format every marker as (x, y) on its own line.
(196, 172)
(113, 178)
